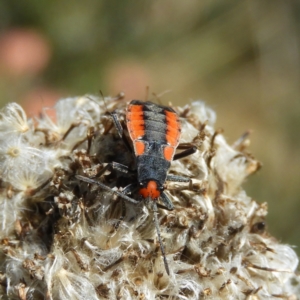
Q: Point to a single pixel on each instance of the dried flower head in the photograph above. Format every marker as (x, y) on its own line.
(62, 238)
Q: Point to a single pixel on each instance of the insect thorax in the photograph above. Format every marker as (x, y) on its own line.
(152, 168)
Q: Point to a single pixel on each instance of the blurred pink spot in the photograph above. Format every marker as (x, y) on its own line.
(23, 51)
(129, 77)
(40, 98)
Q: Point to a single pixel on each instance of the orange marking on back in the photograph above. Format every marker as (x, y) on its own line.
(173, 128)
(169, 153)
(173, 120)
(150, 190)
(135, 121)
(172, 136)
(135, 108)
(139, 148)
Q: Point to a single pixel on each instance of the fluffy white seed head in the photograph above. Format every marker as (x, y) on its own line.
(13, 119)
(62, 238)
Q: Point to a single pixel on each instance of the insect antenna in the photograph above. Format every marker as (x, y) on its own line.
(159, 238)
(123, 196)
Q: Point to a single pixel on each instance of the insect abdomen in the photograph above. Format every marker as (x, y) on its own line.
(148, 123)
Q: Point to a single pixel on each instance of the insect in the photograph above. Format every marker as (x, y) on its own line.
(155, 132)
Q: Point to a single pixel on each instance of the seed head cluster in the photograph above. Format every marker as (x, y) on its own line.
(62, 238)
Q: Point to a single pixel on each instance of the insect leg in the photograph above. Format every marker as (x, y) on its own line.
(119, 167)
(107, 188)
(113, 166)
(189, 149)
(167, 201)
(120, 130)
(177, 178)
(117, 124)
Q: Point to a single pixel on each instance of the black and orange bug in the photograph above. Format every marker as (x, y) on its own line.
(155, 132)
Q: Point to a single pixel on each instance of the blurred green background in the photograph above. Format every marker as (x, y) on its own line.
(241, 57)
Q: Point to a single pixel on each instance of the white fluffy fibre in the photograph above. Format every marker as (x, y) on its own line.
(62, 238)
